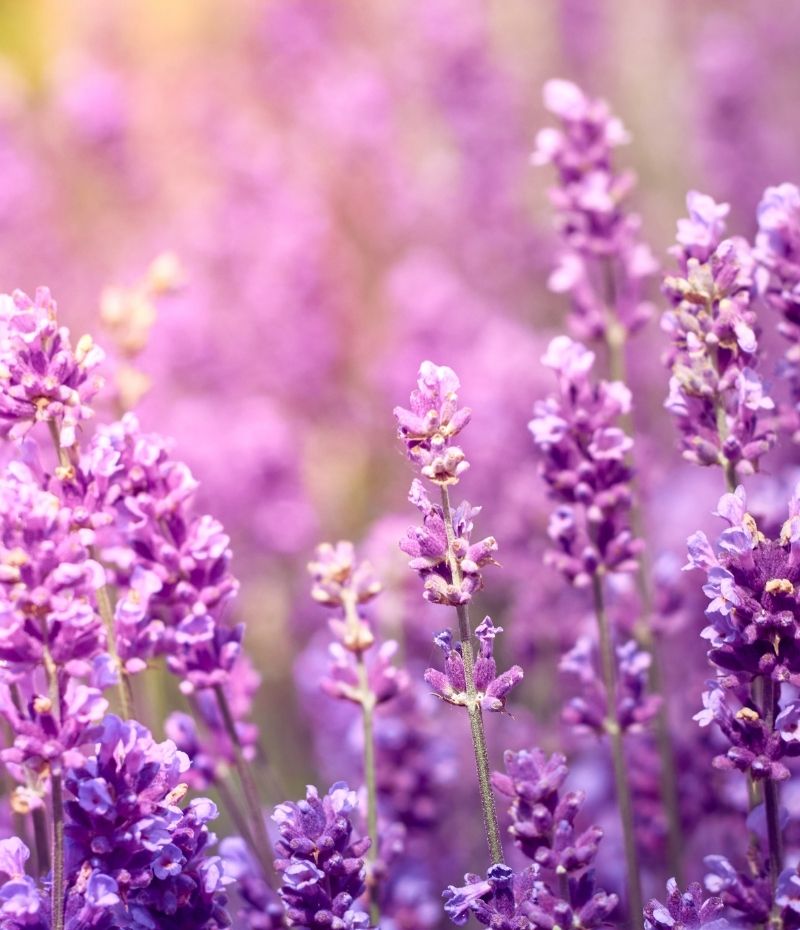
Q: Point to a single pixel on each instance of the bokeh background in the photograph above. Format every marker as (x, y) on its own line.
(270, 211)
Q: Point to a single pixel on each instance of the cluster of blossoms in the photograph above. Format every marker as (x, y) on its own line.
(635, 706)
(585, 465)
(433, 554)
(42, 378)
(321, 865)
(431, 423)
(134, 857)
(777, 276)
(716, 394)
(753, 634)
(603, 266)
(171, 565)
(558, 889)
(491, 689)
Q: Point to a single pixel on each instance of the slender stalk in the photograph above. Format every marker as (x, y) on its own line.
(473, 707)
(57, 889)
(232, 807)
(367, 714)
(612, 725)
(616, 342)
(104, 606)
(771, 696)
(262, 846)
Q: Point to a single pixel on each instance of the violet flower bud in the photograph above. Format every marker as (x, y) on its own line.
(431, 423)
(491, 688)
(42, 378)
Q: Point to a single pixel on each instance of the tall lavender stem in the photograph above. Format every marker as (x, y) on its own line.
(367, 713)
(771, 699)
(616, 341)
(614, 730)
(57, 801)
(473, 707)
(263, 848)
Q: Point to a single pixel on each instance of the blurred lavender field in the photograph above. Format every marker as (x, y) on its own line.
(269, 214)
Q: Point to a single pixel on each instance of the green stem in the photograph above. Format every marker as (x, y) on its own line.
(771, 698)
(57, 889)
(473, 707)
(616, 342)
(367, 713)
(262, 846)
(612, 725)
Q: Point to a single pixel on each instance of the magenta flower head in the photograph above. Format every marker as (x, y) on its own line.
(721, 406)
(491, 688)
(600, 240)
(585, 464)
(343, 583)
(777, 252)
(320, 864)
(428, 547)
(430, 425)
(42, 378)
(687, 910)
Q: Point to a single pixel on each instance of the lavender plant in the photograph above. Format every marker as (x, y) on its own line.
(133, 720)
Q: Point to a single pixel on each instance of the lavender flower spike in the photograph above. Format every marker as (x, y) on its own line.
(716, 395)
(491, 688)
(321, 866)
(447, 560)
(431, 423)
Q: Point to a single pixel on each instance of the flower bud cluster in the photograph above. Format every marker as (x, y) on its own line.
(585, 464)
(720, 404)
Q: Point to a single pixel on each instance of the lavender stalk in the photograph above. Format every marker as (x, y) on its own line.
(449, 564)
(604, 266)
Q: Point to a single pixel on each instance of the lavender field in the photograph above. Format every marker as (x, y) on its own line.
(399, 464)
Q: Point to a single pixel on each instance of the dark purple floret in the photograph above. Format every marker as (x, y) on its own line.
(320, 864)
(451, 685)
(686, 910)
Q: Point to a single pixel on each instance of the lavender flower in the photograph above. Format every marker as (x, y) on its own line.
(716, 394)
(585, 466)
(123, 818)
(491, 688)
(321, 866)
(603, 265)
(42, 378)
(542, 821)
(684, 910)
(635, 706)
(430, 556)
(428, 428)
(777, 276)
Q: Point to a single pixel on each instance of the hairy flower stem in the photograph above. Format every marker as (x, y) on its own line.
(614, 730)
(473, 707)
(57, 889)
(367, 714)
(262, 847)
(616, 341)
(771, 696)
(104, 604)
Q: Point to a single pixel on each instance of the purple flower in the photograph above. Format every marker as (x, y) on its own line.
(584, 462)
(42, 378)
(491, 688)
(431, 423)
(321, 866)
(684, 910)
(716, 395)
(600, 240)
(542, 821)
(427, 546)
